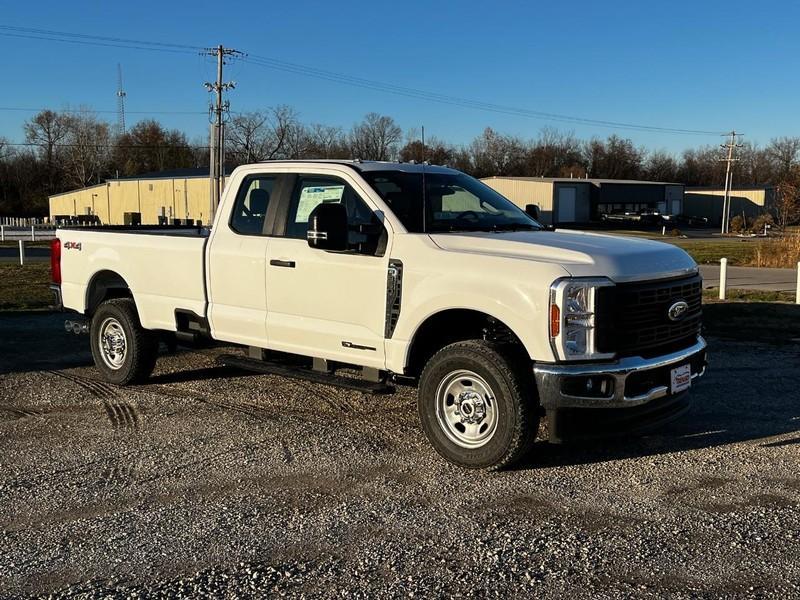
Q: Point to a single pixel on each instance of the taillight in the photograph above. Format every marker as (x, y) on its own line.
(55, 260)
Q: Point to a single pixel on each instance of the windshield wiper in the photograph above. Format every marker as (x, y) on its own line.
(514, 227)
(501, 227)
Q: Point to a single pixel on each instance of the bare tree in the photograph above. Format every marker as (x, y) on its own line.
(148, 146)
(47, 130)
(375, 138)
(87, 150)
(261, 135)
(660, 166)
(787, 201)
(784, 153)
(497, 154)
(327, 142)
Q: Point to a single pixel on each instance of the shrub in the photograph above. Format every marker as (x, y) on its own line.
(737, 224)
(675, 232)
(760, 221)
(779, 252)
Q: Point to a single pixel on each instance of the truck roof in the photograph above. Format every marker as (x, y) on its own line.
(373, 165)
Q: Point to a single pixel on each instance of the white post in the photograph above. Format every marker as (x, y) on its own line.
(2, 233)
(797, 293)
(22, 252)
(723, 278)
(663, 230)
(33, 233)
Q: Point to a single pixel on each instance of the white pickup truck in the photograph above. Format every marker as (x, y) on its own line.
(410, 273)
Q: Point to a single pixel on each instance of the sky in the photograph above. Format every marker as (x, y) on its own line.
(701, 65)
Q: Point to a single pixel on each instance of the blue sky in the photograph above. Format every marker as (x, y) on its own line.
(702, 65)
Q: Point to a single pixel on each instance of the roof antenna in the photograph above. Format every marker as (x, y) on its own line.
(424, 199)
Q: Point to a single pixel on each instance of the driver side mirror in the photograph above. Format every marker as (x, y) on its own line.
(327, 227)
(532, 210)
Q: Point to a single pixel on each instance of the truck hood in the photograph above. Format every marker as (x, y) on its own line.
(581, 254)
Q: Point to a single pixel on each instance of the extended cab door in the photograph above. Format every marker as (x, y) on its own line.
(237, 263)
(327, 304)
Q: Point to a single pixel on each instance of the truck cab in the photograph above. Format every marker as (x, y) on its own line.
(416, 274)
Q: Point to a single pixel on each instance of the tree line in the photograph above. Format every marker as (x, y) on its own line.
(68, 150)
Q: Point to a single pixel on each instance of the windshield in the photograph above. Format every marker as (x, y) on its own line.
(454, 202)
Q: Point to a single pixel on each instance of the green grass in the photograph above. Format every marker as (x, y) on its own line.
(712, 296)
(703, 251)
(25, 287)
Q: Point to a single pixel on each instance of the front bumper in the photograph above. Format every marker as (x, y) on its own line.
(634, 380)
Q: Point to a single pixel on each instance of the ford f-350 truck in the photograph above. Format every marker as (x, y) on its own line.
(411, 273)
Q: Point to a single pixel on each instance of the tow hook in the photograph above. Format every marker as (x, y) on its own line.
(76, 327)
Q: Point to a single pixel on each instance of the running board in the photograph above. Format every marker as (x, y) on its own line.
(271, 368)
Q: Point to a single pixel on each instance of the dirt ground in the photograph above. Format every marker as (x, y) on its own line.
(212, 482)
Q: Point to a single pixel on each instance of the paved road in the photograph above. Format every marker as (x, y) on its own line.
(752, 278)
(10, 254)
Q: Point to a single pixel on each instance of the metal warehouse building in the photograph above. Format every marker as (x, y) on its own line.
(567, 200)
(167, 197)
(749, 201)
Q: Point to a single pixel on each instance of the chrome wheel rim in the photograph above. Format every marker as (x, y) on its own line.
(466, 409)
(112, 343)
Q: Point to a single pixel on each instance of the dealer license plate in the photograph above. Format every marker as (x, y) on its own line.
(680, 378)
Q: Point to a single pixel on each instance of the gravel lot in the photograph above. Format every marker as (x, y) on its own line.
(209, 481)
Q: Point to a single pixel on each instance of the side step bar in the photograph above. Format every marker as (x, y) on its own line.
(273, 368)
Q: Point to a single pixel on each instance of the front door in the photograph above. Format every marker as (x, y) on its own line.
(328, 304)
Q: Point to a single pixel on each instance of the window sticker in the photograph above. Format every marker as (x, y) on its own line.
(311, 197)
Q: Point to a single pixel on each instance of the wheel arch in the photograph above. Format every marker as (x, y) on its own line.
(451, 325)
(104, 285)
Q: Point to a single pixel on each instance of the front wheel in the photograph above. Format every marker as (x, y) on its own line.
(477, 405)
(123, 351)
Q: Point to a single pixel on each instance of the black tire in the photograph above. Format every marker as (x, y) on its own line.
(140, 348)
(510, 379)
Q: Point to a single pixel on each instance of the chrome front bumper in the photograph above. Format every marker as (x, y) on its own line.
(550, 379)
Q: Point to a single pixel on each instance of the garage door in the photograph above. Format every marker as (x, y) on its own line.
(567, 197)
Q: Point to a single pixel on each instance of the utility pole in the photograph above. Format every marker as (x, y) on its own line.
(217, 113)
(731, 146)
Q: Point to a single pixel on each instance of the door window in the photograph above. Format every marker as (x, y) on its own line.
(311, 191)
(252, 201)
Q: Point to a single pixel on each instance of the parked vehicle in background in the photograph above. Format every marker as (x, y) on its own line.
(684, 220)
(641, 217)
(410, 273)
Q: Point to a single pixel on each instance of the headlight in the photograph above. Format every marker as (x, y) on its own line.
(572, 318)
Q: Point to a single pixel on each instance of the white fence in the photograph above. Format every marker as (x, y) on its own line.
(28, 233)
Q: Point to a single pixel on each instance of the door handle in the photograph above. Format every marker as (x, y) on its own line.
(282, 263)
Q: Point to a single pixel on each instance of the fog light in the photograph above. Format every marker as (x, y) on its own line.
(597, 386)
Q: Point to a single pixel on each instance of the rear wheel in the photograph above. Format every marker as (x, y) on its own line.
(123, 351)
(477, 404)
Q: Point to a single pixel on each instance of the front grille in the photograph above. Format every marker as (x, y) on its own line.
(632, 318)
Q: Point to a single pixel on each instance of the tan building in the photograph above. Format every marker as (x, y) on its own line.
(165, 197)
(749, 201)
(566, 200)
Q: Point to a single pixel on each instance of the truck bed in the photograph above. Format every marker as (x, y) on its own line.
(164, 267)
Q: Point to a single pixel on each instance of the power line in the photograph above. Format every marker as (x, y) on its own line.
(93, 43)
(91, 145)
(101, 111)
(94, 40)
(304, 70)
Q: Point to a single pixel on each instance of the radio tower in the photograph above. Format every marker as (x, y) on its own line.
(120, 102)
